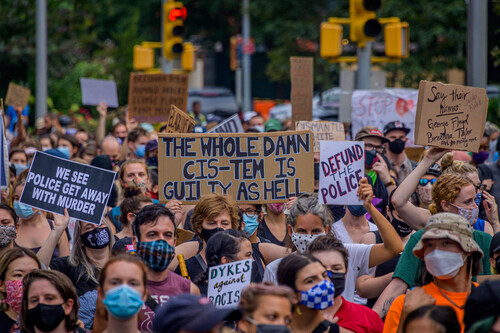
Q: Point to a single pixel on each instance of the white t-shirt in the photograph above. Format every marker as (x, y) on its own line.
(341, 233)
(359, 258)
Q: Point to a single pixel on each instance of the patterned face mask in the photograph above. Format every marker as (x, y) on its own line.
(469, 214)
(302, 241)
(14, 290)
(318, 297)
(7, 235)
(157, 254)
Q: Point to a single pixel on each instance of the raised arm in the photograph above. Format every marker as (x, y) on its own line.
(47, 249)
(102, 108)
(392, 244)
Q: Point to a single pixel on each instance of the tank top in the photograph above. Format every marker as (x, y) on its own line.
(264, 233)
(55, 254)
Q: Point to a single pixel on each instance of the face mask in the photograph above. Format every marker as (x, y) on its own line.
(64, 150)
(370, 158)
(97, 238)
(143, 186)
(357, 210)
(316, 171)
(20, 168)
(425, 193)
(302, 241)
(401, 228)
(140, 151)
(157, 255)
(123, 301)
(480, 157)
(45, 148)
(120, 140)
(338, 280)
(152, 161)
(276, 208)
(318, 297)
(7, 235)
(251, 224)
(469, 214)
(207, 233)
(22, 210)
(14, 291)
(397, 146)
(259, 128)
(443, 264)
(264, 328)
(46, 317)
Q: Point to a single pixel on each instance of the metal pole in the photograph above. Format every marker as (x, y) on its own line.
(364, 66)
(247, 79)
(41, 58)
(237, 84)
(166, 66)
(477, 34)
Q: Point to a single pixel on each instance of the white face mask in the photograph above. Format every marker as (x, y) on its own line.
(444, 264)
(469, 214)
(302, 241)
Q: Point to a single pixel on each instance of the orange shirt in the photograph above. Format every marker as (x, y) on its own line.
(392, 319)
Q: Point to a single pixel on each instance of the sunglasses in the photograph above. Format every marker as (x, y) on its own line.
(424, 182)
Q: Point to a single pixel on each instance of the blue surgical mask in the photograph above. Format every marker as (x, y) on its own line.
(64, 150)
(157, 254)
(357, 210)
(20, 168)
(123, 302)
(22, 210)
(318, 297)
(140, 151)
(251, 224)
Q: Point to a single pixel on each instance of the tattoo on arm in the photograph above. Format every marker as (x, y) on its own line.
(387, 305)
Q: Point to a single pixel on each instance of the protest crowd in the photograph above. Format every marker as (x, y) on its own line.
(139, 229)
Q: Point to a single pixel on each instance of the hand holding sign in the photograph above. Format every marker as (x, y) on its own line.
(60, 221)
(365, 192)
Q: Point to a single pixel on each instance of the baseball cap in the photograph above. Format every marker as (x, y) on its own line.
(396, 125)
(191, 313)
(495, 244)
(448, 226)
(272, 125)
(151, 145)
(249, 115)
(370, 132)
(434, 170)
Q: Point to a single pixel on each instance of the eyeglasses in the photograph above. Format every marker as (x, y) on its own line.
(480, 187)
(369, 147)
(250, 212)
(424, 181)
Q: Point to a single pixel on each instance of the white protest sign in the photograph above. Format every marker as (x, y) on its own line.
(230, 125)
(95, 91)
(342, 165)
(380, 107)
(226, 282)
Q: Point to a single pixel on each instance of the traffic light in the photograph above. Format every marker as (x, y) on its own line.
(397, 40)
(364, 25)
(144, 58)
(330, 40)
(188, 57)
(174, 14)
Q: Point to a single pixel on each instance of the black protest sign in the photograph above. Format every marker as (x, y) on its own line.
(250, 167)
(54, 183)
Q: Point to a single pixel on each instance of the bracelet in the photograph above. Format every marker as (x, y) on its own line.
(390, 183)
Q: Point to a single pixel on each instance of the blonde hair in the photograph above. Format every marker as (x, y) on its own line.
(446, 188)
(449, 166)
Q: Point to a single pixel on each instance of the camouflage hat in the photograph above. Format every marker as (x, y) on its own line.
(370, 132)
(448, 226)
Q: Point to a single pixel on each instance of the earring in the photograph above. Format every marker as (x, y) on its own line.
(298, 311)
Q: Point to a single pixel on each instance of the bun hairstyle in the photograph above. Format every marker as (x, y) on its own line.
(134, 198)
(446, 188)
(448, 165)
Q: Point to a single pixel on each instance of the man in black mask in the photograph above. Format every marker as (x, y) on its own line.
(396, 132)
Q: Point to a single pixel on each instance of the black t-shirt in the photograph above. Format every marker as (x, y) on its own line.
(5, 322)
(77, 274)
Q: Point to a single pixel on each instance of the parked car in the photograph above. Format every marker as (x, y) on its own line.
(217, 101)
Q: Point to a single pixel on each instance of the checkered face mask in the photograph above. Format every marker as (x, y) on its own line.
(318, 297)
(157, 255)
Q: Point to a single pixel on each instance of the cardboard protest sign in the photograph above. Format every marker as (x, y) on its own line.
(95, 91)
(54, 183)
(301, 76)
(179, 121)
(226, 282)
(342, 165)
(17, 94)
(450, 116)
(150, 95)
(250, 167)
(380, 107)
(230, 125)
(322, 130)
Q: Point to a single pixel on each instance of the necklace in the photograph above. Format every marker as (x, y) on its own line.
(449, 300)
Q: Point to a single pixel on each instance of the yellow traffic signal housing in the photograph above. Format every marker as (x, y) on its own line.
(144, 58)
(174, 14)
(397, 40)
(364, 25)
(330, 40)
(188, 57)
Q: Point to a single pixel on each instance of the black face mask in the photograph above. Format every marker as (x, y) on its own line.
(97, 238)
(316, 171)
(152, 161)
(402, 228)
(46, 317)
(338, 280)
(207, 233)
(397, 146)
